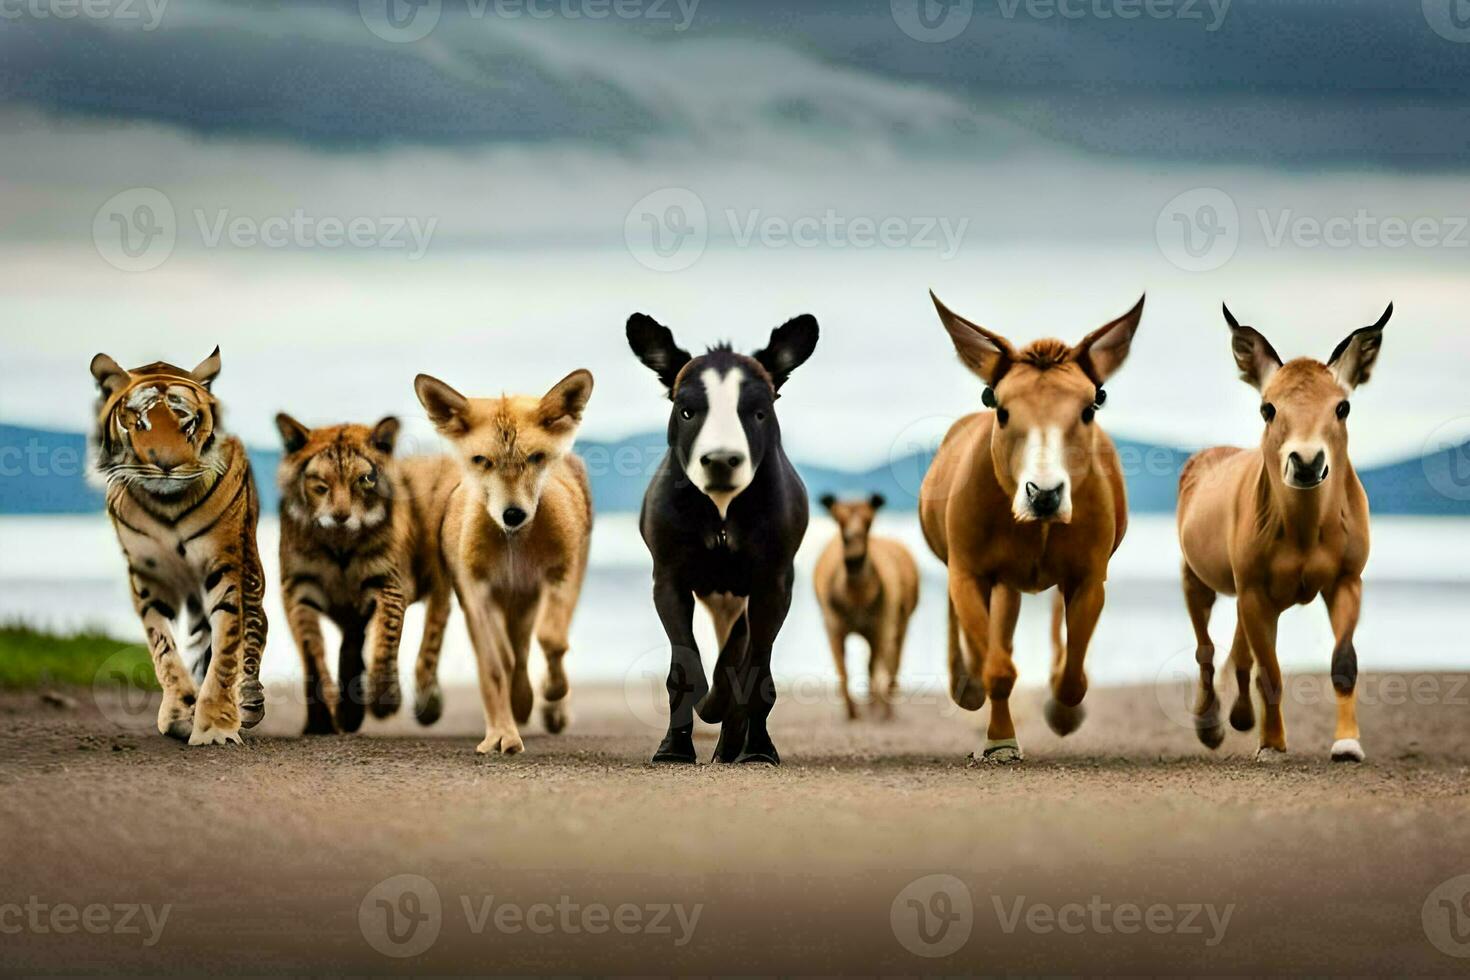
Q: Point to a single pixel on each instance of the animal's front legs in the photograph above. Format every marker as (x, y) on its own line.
(1084, 602)
(837, 638)
(1343, 602)
(1259, 617)
(321, 690)
(217, 713)
(176, 713)
(428, 702)
(969, 628)
(1199, 598)
(686, 682)
(999, 674)
(385, 629)
(496, 661)
(768, 609)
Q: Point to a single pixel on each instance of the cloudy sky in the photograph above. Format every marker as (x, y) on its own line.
(342, 194)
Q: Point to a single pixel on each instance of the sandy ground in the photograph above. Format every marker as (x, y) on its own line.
(874, 849)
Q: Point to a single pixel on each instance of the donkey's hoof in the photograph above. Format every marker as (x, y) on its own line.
(252, 703)
(1063, 719)
(554, 715)
(971, 696)
(1003, 752)
(428, 705)
(1267, 754)
(1211, 733)
(1347, 750)
(677, 748)
(712, 707)
(1242, 715)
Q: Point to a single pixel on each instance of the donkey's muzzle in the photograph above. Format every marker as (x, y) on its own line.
(1044, 503)
(1306, 473)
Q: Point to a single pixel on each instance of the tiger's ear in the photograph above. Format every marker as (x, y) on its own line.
(294, 435)
(110, 377)
(384, 435)
(207, 370)
(447, 408)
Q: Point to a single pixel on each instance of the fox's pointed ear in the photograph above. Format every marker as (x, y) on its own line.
(1254, 355)
(1352, 360)
(207, 370)
(384, 435)
(109, 376)
(562, 406)
(447, 408)
(294, 435)
(654, 344)
(988, 354)
(1103, 351)
(790, 345)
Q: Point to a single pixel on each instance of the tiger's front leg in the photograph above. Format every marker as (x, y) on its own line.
(385, 629)
(156, 608)
(252, 613)
(217, 713)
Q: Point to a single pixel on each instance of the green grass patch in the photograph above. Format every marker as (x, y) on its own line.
(31, 658)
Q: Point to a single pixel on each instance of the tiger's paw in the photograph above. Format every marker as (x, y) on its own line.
(175, 719)
(215, 736)
(385, 696)
(428, 705)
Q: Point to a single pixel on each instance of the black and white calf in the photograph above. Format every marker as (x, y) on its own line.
(723, 518)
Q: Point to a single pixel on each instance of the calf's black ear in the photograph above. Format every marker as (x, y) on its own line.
(827, 500)
(654, 344)
(791, 344)
(877, 500)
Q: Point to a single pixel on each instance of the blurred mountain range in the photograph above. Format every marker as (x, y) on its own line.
(43, 472)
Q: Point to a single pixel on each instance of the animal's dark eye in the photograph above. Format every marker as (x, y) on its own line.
(686, 414)
(1087, 415)
(368, 480)
(481, 462)
(1268, 411)
(536, 459)
(320, 489)
(1343, 408)
(1002, 416)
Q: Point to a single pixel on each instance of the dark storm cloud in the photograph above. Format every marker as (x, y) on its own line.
(1297, 83)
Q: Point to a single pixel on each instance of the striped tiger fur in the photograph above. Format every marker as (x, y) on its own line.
(183, 503)
(360, 544)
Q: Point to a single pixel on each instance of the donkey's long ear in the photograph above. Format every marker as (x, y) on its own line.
(1352, 361)
(1103, 351)
(987, 354)
(110, 377)
(447, 408)
(207, 370)
(562, 406)
(654, 344)
(294, 435)
(1254, 355)
(790, 345)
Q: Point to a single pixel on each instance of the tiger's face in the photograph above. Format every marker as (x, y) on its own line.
(156, 424)
(337, 478)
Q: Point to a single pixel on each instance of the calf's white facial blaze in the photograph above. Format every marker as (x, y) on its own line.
(723, 433)
(1042, 463)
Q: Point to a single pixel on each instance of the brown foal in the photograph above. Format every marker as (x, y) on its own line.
(1024, 498)
(1278, 526)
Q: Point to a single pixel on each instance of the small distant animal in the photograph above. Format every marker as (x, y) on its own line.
(516, 535)
(723, 517)
(183, 502)
(359, 545)
(868, 586)
(1025, 497)
(1277, 526)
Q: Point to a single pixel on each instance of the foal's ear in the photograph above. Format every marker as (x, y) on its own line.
(1103, 351)
(1352, 361)
(207, 370)
(384, 435)
(294, 435)
(987, 354)
(562, 406)
(1254, 355)
(654, 344)
(447, 408)
(790, 345)
(876, 501)
(827, 500)
(109, 376)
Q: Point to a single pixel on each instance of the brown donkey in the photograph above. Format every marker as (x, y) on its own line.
(1024, 498)
(1277, 526)
(869, 586)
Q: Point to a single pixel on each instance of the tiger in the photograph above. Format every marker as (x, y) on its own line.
(183, 503)
(360, 544)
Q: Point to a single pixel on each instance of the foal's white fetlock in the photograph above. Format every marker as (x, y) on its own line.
(1347, 750)
(1001, 751)
(1267, 754)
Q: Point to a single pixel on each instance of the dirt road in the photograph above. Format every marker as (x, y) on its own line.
(874, 849)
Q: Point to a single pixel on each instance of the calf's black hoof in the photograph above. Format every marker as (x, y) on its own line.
(767, 757)
(677, 748)
(1243, 715)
